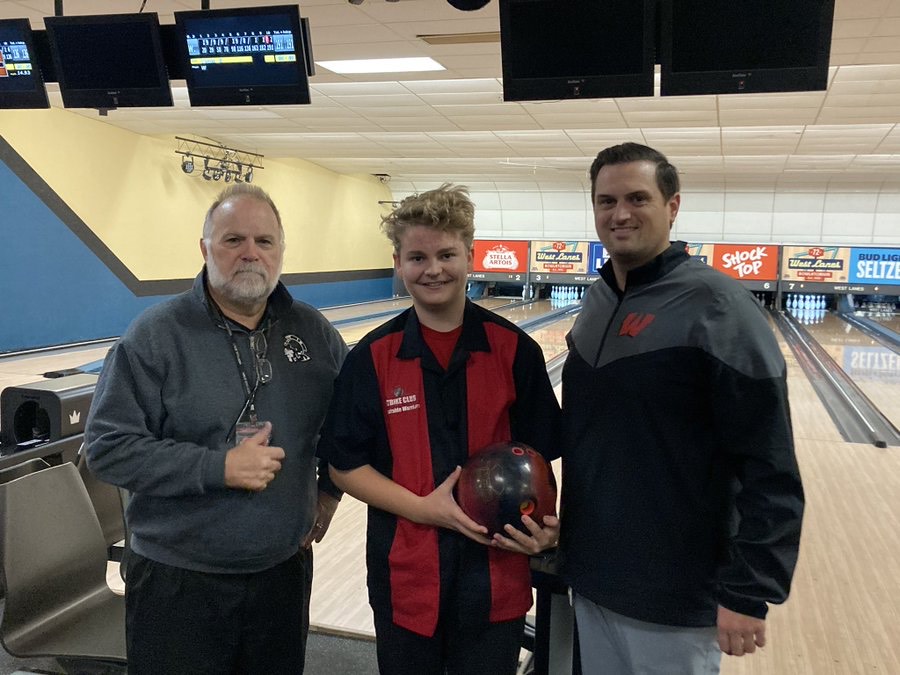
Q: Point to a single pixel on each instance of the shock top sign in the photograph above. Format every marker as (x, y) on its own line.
(746, 262)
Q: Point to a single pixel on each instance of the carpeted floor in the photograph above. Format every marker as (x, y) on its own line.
(325, 655)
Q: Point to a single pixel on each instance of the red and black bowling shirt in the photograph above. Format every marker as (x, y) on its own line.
(397, 409)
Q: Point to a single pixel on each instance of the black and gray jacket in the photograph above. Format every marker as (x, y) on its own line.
(680, 486)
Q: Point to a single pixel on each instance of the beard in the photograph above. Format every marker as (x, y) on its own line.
(248, 286)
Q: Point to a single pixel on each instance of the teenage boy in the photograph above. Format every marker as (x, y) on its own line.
(414, 399)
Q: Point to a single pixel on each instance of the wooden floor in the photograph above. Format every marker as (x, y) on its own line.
(843, 616)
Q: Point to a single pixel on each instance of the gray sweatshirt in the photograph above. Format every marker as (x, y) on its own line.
(168, 396)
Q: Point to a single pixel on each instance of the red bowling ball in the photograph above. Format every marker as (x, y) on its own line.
(504, 481)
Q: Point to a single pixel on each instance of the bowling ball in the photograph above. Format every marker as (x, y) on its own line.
(501, 482)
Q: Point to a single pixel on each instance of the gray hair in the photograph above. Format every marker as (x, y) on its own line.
(240, 190)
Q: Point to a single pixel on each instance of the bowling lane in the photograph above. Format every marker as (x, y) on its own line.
(354, 331)
(891, 321)
(849, 532)
(345, 312)
(873, 367)
(809, 418)
(18, 370)
(494, 302)
(532, 310)
(382, 307)
(552, 338)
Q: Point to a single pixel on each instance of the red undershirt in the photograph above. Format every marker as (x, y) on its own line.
(441, 344)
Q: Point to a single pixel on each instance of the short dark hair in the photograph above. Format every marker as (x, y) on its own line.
(666, 174)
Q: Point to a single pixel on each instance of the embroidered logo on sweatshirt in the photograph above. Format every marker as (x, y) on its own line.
(295, 349)
(634, 323)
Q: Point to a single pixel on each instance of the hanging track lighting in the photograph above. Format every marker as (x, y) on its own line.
(228, 163)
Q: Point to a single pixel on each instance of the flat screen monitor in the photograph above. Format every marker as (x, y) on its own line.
(715, 47)
(109, 60)
(21, 84)
(244, 56)
(563, 49)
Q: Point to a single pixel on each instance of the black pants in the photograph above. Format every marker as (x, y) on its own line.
(184, 622)
(457, 648)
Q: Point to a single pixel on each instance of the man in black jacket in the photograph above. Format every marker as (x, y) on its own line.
(681, 501)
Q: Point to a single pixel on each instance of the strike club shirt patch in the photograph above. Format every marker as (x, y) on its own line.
(401, 402)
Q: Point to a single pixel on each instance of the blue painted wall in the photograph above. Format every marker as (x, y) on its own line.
(343, 292)
(54, 290)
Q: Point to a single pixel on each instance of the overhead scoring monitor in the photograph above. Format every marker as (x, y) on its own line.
(109, 60)
(21, 84)
(715, 47)
(551, 49)
(244, 56)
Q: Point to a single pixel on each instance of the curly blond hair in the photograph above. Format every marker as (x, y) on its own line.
(447, 208)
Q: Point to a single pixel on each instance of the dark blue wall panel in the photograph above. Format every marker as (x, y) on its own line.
(342, 293)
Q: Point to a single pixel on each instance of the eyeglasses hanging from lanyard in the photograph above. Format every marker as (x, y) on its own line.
(260, 347)
(247, 418)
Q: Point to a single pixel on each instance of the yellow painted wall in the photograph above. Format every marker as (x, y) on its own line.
(131, 192)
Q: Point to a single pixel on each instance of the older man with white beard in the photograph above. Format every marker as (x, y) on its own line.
(208, 410)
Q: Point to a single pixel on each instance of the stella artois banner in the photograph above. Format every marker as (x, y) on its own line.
(501, 256)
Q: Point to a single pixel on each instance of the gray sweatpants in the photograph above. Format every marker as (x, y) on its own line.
(612, 644)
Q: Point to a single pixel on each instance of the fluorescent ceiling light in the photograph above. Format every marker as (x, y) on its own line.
(408, 65)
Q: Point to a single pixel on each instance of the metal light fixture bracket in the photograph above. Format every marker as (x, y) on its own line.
(219, 161)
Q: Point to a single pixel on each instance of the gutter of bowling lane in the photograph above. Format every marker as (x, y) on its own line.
(856, 417)
(874, 330)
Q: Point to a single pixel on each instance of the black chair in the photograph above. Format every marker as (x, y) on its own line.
(53, 568)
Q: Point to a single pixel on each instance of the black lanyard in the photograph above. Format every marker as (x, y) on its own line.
(251, 393)
(240, 363)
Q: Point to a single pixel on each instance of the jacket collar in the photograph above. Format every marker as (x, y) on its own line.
(657, 268)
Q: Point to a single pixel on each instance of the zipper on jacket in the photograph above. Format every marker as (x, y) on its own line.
(621, 298)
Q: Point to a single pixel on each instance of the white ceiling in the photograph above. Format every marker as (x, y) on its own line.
(453, 125)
